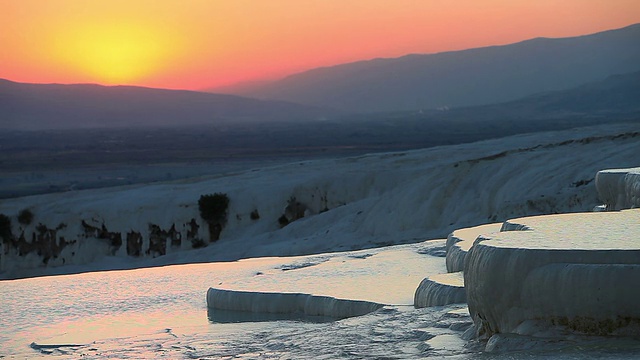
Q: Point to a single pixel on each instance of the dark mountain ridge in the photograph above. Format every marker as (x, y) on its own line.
(55, 106)
(617, 96)
(462, 78)
(615, 99)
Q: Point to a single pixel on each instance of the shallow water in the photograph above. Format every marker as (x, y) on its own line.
(162, 313)
(80, 309)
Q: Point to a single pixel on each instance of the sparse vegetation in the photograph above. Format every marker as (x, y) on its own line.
(198, 243)
(283, 221)
(582, 182)
(213, 209)
(192, 234)
(134, 244)
(25, 217)
(293, 211)
(42, 229)
(5, 228)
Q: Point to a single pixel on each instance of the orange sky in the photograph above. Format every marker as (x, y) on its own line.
(196, 44)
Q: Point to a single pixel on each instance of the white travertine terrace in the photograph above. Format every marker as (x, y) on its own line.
(577, 270)
(441, 289)
(444, 289)
(460, 241)
(619, 188)
(288, 303)
(336, 285)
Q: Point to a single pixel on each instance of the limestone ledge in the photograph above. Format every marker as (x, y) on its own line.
(576, 270)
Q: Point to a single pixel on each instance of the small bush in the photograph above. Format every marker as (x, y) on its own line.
(5, 228)
(42, 229)
(198, 243)
(213, 208)
(283, 221)
(255, 215)
(25, 217)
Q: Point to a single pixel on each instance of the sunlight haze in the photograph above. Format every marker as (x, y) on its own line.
(199, 44)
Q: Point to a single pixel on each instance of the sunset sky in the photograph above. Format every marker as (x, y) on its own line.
(197, 44)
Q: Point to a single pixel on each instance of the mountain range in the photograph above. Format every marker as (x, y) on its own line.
(538, 80)
(611, 100)
(42, 107)
(55, 106)
(460, 78)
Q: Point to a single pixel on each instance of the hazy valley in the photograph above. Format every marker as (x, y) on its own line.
(41, 161)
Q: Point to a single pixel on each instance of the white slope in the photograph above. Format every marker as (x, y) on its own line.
(372, 201)
(581, 271)
(619, 188)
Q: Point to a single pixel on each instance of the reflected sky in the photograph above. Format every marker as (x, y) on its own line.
(89, 308)
(161, 313)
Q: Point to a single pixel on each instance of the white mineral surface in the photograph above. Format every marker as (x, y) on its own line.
(581, 271)
(335, 285)
(619, 188)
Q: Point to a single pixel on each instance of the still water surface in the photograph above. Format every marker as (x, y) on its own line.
(161, 313)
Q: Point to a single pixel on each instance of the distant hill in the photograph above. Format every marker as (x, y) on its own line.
(461, 78)
(611, 100)
(616, 97)
(54, 106)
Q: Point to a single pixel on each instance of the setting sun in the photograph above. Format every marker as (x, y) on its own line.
(200, 44)
(112, 54)
(335, 179)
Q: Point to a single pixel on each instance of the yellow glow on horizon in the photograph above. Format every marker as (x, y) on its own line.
(200, 44)
(113, 53)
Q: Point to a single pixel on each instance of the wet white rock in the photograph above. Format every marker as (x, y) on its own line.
(619, 188)
(288, 303)
(460, 241)
(441, 289)
(581, 271)
(336, 285)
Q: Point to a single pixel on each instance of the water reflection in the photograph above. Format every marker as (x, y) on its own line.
(219, 316)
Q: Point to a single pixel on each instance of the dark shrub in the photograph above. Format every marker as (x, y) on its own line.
(42, 229)
(198, 243)
(134, 243)
(283, 221)
(5, 228)
(25, 217)
(255, 215)
(213, 207)
(295, 210)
